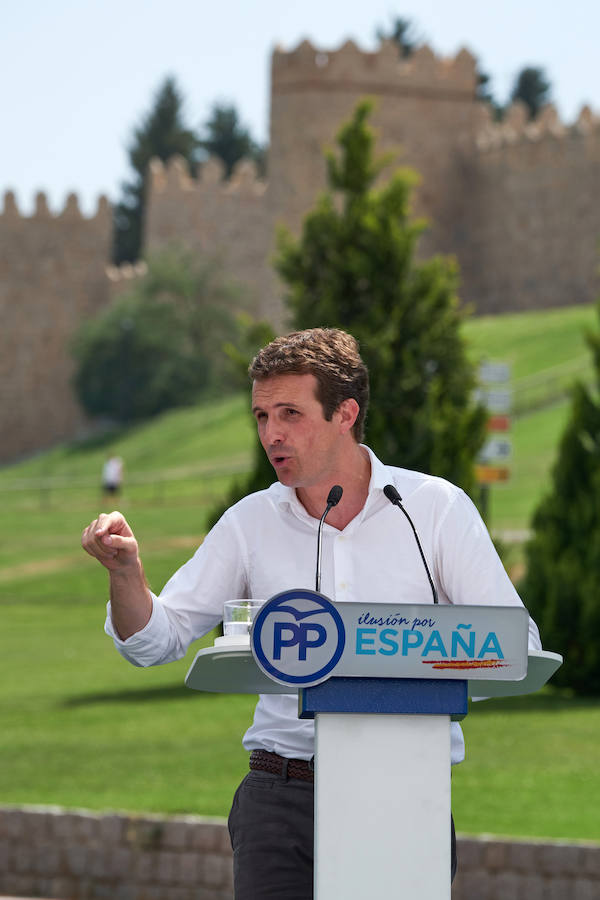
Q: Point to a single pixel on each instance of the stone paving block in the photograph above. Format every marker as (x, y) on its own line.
(475, 885)
(76, 859)
(494, 855)
(521, 856)
(563, 859)
(63, 888)
(111, 829)
(505, 886)
(591, 862)
(228, 873)
(99, 863)
(469, 853)
(144, 865)
(214, 870)
(47, 859)
(101, 891)
(175, 835)
(119, 863)
(207, 836)
(166, 867)
(585, 889)
(188, 868)
(558, 889)
(532, 887)
(12, 823)
(23, 858)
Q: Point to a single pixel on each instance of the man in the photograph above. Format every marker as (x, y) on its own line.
(309, 398)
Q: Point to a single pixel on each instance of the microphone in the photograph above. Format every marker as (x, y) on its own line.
(394, 497)
(333, 498)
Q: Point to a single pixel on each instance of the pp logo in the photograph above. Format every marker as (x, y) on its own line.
(298, 637)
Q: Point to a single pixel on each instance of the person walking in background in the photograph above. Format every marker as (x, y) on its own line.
(112, 475)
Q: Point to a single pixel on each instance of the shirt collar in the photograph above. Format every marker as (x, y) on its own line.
(286, 496)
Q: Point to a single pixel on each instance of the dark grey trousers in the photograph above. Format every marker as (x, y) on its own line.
(271, 829)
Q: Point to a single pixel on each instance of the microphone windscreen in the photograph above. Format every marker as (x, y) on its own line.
(335, 495)
(392, 494)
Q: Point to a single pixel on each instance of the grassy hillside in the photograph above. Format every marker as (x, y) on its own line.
(80, 727)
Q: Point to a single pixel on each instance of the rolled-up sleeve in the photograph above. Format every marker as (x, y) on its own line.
(191, 603)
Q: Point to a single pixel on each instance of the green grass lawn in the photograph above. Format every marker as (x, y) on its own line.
(80, 727)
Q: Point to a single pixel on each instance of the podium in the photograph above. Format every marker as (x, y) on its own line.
(383, 684)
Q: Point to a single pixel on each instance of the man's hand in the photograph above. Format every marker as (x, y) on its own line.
(111, 541)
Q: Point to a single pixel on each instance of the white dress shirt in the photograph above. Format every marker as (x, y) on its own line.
(267, 543)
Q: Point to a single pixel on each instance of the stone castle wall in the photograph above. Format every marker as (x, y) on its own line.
(226, 220)
(534, 222)
(516, 203)
(76, 855)
(52, 277)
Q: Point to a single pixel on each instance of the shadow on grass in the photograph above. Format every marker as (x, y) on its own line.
(545, 701)
(141, 695)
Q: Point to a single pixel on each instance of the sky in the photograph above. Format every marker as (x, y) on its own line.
(79, 75)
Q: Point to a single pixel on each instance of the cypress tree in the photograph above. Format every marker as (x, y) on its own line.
(353, 267)
(563, 556)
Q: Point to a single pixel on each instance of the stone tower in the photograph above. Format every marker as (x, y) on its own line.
(52, 277)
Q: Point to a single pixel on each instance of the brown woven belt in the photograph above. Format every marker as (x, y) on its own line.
(280, 765)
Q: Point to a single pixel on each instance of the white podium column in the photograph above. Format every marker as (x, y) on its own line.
(382, 786)
(382, 807)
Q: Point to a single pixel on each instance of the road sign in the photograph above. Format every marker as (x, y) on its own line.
(494, 372)
(498, 423)
(491, 474)
(495, 448)
(496, 400)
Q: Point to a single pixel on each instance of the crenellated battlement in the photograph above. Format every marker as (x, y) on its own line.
(379, 69)
(514, 201)
(70, 211)
(174, 177)
(516, 127)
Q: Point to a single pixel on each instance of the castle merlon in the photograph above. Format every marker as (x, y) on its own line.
(174, 175)
(516, 127)
(307, 64)
(70, 211)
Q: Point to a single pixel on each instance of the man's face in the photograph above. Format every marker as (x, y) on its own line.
(301, 444)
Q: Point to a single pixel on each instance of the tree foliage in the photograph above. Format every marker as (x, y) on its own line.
(162, 133)
(563, 556)
(161, 345)
(532, 88)
(225, 137)
(353, 267)
(402, 33)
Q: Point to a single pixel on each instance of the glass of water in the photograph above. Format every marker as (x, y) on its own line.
(238, 616)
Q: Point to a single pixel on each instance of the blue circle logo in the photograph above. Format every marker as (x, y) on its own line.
(298, 637)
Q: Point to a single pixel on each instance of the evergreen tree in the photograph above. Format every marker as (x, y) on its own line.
(532, 88)
(402, 33)
(162, 133)
(225, 137)
(353, 268)
(563, 556)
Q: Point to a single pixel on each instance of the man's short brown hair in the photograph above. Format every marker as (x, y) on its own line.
(332, 356)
